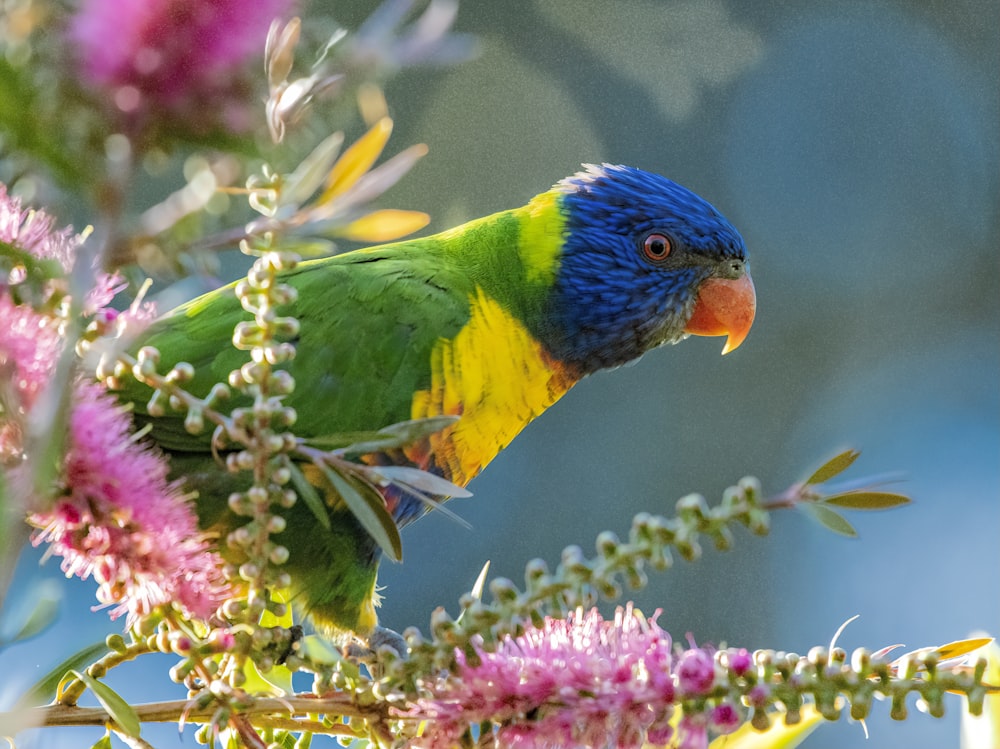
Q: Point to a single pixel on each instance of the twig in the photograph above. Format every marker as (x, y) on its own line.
(171, 711)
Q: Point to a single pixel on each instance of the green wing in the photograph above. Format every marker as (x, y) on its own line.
(369, 320)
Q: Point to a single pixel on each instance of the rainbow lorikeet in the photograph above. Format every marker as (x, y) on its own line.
(491, 321)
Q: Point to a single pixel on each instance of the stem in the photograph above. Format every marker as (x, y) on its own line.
(160, 382)
(75, 689)
(173, 711)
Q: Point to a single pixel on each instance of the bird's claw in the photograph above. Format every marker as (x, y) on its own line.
(368, 652)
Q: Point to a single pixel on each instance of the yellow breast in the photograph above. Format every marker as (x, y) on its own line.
(497, 378)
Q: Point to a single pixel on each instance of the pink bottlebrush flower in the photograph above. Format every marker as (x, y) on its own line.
(118, 517)
(122, 522)
(30, 342)
(172, 57)
(579, 681)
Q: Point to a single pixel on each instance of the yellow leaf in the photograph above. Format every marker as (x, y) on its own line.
(961, 647)
(384, 225)
(778, 736)
(357, 160)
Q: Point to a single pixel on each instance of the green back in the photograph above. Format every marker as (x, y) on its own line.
(368, 322)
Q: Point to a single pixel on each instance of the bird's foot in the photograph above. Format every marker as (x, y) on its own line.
(385, 637)
(372, 651)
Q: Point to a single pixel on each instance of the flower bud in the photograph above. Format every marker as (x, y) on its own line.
(725, 717)
(607, 544)
(739, 661)
(503, 590)
(181, 373)
(695, 671)
(194, 421)
(693, 505)
(148, 354)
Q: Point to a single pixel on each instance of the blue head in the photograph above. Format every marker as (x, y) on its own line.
(637, 250)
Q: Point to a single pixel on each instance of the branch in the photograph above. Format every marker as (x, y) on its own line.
(173, 711)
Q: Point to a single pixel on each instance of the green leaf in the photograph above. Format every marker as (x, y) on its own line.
(320, 650)
(269, 619)
(276, 682)
(284, 739)
(866, 500)
(307, 492)
(423, 481)
(43, 612)
(388, 438)
(104, 742)
(309, 175)
(370, 510)
(120, 711)
(830, 519)
(44, 690)
(230, 738)
(836, 465)
(414, 429)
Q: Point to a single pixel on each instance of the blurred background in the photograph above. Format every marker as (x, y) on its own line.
(855, 145)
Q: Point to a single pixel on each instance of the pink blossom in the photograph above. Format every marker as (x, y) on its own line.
(692, 732)
(121, 521)
(695, 671)
(725, 717)
(739, 660)
(172, 57)
(29, 342)
(117, 517)
(579, 681)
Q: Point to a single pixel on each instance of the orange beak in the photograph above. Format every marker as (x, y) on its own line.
(724, 307)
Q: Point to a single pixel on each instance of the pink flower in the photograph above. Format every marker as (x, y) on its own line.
(121, 521)
(725, 717)
(692, 732)
(173, 57)
(695, 671)
(579, 681)
(29, 341)
(739, 661)
(117, 517)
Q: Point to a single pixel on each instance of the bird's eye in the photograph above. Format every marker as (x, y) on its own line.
(656, 247)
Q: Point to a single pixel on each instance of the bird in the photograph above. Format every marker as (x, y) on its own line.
(490, 322)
